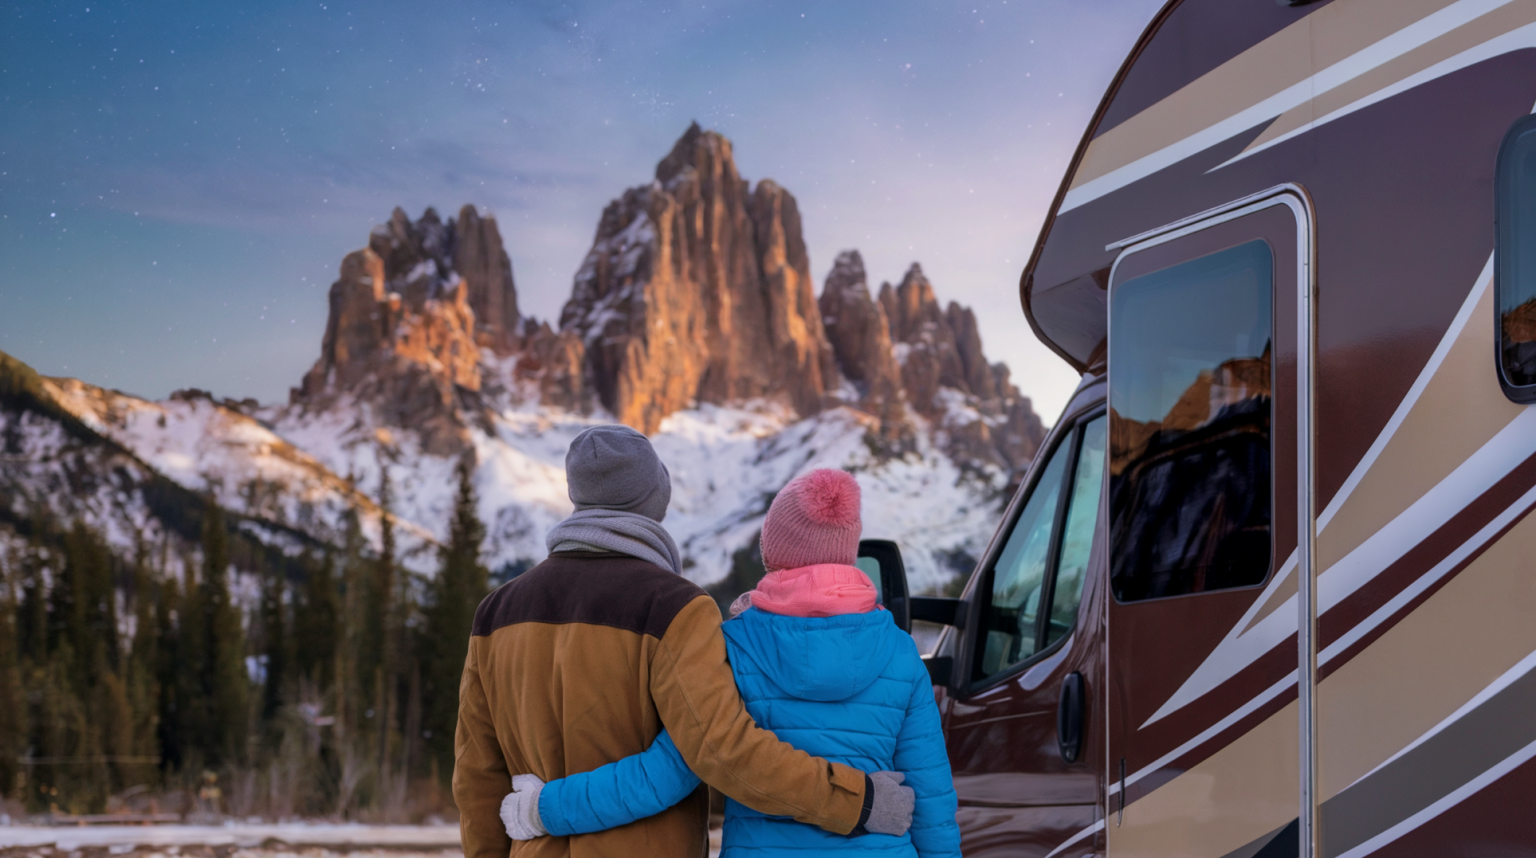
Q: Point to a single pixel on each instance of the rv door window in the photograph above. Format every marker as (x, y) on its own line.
(1045, 559)
(1516, 249)
(1077, 534)
(1018, 577)
(1190, 374)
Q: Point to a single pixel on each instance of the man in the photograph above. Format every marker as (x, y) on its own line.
(585, 658)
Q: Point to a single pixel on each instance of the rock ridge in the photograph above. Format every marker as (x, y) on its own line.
(696, 290)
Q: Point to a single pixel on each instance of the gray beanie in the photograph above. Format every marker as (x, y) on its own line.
(615, 467)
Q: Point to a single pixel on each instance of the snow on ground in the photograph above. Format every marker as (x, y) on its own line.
(70, 838)
(241, 840)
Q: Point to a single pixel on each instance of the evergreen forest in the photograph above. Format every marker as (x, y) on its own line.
(320, 682)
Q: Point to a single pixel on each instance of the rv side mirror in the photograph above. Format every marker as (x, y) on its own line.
(880, 559)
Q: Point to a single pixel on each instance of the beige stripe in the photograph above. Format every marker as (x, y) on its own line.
(1419, 672)
(1479, 30)
(1288, 57)
(1437, 658)
(1460, 410)
(1239, 794)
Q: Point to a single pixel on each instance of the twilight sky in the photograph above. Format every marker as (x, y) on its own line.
(180, 180)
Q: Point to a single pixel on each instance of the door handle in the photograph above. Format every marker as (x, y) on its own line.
(1070, 717)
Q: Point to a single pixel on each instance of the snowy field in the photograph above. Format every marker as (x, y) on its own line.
(238, 841)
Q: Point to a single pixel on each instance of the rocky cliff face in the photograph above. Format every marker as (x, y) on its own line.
(858, 329)
(902, 350)
(699, 290)
(408, 316)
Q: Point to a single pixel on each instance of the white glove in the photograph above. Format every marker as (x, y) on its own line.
(520, 809)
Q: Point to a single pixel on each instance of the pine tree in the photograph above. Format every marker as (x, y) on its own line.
(12, 695)
(225, 683)
(353, 702)
(460, 585)
(176, 673)
(276, 642)
(317, 622)
(83, 665)
(140, 674)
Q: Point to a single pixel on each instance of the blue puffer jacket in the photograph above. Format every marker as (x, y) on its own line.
(849, 688)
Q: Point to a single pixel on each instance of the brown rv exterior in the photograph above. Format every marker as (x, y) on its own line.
(1359, 140)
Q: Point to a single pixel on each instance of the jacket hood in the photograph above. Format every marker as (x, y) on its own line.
(816, 658)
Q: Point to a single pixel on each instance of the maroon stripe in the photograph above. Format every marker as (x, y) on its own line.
(1194, 38)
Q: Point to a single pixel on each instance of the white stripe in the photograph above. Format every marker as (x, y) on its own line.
(1492, 462)
(1451, 561)
(1446, 802)
(1504, 43)
(1243, 645)
(1521, 668)
(1096, 827)
(1387, 49)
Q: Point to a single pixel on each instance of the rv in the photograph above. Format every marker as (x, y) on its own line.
(1269, 586)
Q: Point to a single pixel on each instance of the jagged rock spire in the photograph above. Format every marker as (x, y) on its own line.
(697, 290)
(408, 316)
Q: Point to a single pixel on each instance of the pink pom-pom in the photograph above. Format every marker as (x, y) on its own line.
(831, 497)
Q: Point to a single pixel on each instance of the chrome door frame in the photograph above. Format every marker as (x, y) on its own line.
(1296, 198)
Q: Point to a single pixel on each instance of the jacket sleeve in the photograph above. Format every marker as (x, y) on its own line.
(695, 694)
(635, 787)
(922, 756)
(480, 776)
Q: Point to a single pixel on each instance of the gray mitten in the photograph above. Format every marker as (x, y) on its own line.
(890, 804)
(520, 809)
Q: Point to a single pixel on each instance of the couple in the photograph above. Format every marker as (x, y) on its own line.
(607, 674)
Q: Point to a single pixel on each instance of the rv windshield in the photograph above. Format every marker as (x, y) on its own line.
(1190, 374)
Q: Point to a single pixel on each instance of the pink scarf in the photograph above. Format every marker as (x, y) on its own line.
(822, 590)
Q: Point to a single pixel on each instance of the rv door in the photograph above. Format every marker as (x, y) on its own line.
(1201, 496)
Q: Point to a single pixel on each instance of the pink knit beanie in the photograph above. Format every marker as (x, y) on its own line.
(815, 519)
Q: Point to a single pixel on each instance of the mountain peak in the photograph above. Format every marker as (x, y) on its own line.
(695, 144)
(696, 290)
(408, 315)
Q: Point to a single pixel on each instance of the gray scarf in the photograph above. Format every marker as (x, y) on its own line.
(624, 532)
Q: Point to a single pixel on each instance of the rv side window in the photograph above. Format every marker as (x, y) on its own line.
(1033, 590)
(1190, 373)
(1516, 248)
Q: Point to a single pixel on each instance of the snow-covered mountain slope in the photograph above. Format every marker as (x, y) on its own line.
(56, 471)
(726, 465)
(214, 449)
(282, 467)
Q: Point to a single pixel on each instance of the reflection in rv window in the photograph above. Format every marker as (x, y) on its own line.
(1190, 374)
(1517, 260)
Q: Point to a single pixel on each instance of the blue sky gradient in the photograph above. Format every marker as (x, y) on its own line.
(179, 181)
